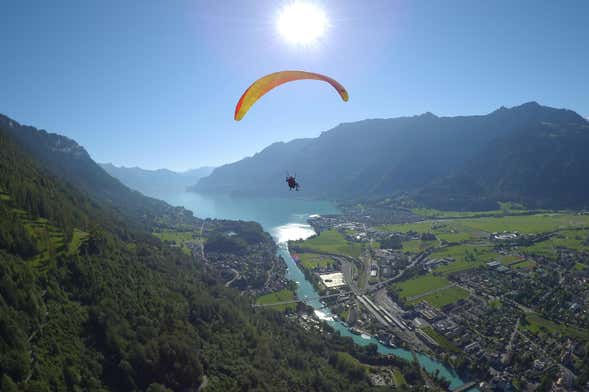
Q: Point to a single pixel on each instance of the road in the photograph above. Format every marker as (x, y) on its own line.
(204, 383)
(512, 338)
(366, 260)
(202, 243)
(235, 277)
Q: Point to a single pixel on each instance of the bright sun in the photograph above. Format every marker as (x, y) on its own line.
(302, 22)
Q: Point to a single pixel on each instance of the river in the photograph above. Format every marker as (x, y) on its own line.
(286, 219)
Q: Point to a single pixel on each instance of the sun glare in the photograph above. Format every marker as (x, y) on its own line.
(302, 22)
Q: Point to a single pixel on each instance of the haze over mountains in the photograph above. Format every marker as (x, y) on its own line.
(65, 158)
(154, 183)
(529, 153)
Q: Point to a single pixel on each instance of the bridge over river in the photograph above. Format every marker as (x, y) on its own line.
(465, 387)
(304, 299)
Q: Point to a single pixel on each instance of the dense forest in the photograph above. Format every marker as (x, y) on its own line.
(91, 302)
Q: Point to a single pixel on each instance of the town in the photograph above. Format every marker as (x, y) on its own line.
(501, 297)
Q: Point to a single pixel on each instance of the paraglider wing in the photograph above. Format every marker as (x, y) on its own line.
(268, 82)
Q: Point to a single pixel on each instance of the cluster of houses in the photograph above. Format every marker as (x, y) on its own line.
(432, 263)
(386, 262)
(505, 236)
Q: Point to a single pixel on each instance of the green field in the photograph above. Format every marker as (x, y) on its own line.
(528, 224)
(418, 227)
(441, 340)
(399, 378)
(180, 238)
(580, 267)
(78, 237)
(450, 230)
(417, 246)
(331, 242)
(505, 209)
(433, 213)
(421, 284)
(458, 266)
(458, 230)
(49, 239)
(508, 259)
(571, 239)
(312, 260)
(465, 252)
(444, 297)
(278, 296)
(537, 323)
(466, 257)
(524, 264)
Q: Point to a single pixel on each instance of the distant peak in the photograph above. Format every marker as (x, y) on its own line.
(532, 105)
(428, 115)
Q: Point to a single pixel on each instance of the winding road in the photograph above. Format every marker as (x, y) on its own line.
(235, 277)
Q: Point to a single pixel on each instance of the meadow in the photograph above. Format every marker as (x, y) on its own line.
(417, 246)
(278, 296)
(180, 238)
(313, 260)
(571, 239)
(420, 285)
(444, 297)
(457, 230)
(536, 324)
(506, 208)
(466, 257)
(331, 242)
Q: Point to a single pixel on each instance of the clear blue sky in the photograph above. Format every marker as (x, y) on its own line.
(155, 83)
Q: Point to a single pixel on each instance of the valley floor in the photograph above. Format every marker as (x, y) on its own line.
(503, 296)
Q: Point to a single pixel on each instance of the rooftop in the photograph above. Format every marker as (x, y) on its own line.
(335, 279)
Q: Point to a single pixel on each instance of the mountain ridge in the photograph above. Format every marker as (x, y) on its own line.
(380, 156)
(155, 183)
(68, 160)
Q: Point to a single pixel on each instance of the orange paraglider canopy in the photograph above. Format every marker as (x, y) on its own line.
(268, 82)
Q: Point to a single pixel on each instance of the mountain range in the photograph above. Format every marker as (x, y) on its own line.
(155, 183)
(530, 154)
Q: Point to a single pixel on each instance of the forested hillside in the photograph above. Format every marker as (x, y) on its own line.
(69, 161)
(91, 302)
(541, 166)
